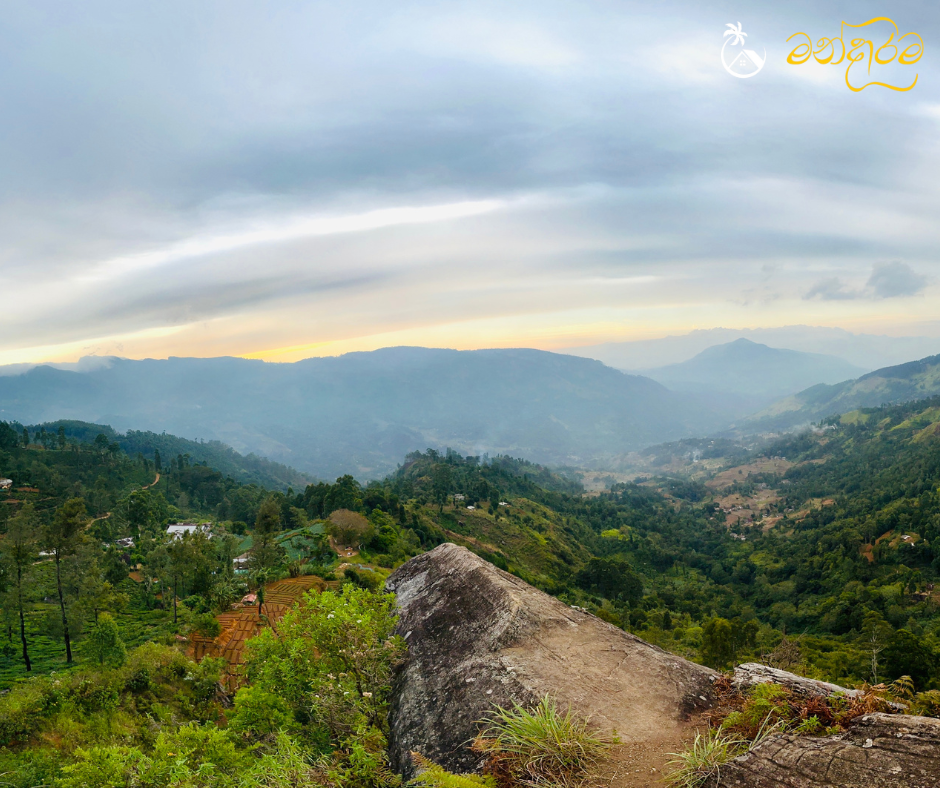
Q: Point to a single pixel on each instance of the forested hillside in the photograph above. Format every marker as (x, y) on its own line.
(908, 382)
(250, 469)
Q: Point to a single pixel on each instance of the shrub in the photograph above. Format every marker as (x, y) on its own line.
(346, 687)
(260, 713)
(364, 579)
(22, 710)
(926, 704)
(207, 625)
(284, 767)
(432, 775)
(542, 746)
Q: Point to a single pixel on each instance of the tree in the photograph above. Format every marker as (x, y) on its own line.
(61, 537)
(258, 580)
(875, 635)
(266, 553)
(156, 460)
(25, 438)
(718, 643)
(268, 519)
(8, 438)
(19, 554)
(612, 578)
(908, 655)
(349, 529)
(142, 511)
(345, 494)
(179, 553)
(104, 644)
(348, 685)
(95, 593)
(442, 479)
(61, 436)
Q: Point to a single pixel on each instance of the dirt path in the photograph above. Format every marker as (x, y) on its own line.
(645, 764)
(152, 484)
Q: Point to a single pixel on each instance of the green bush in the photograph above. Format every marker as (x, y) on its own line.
(432, 775)
(23, 709)
(346, 687)
(206, 625)
(260, 713)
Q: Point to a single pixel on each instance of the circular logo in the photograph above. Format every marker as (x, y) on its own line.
(738, 60)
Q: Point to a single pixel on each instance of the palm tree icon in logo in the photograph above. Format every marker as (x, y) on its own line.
(737, 60)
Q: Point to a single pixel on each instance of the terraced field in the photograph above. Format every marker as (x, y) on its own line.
(244, 623)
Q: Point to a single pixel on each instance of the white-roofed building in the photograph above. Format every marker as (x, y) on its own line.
(179, 530)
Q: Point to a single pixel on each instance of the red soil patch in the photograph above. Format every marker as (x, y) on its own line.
(240, 625)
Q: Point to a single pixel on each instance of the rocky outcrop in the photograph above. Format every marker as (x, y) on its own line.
(477, 636)
(878, 751)
(751, 673)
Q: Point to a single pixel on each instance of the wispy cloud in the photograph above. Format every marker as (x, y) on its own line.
(832, 289)
(284, 231)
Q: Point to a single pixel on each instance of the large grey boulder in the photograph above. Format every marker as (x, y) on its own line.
(477, 636)
(878, 751)
(750, 674)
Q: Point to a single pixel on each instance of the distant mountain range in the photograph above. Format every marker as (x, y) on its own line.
(754, 375)
(868, 351)
(362, 412)
(901, 383)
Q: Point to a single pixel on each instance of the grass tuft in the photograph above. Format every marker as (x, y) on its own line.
(543, 746)
(704, 759)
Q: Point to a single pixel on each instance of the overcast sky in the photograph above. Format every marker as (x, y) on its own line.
(290, 179)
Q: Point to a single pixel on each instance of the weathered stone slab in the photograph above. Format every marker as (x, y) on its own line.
(878, 751)
(479, 636)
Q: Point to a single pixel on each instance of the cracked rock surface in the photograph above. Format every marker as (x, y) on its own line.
(478, 636)
(878, 751)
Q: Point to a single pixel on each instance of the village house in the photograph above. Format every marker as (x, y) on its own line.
(179, 530)
(6, 484)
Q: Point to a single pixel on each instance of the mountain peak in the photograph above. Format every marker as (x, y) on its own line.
(744, 368)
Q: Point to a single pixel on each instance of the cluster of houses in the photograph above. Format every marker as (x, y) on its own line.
(174, 531)
(178, 531)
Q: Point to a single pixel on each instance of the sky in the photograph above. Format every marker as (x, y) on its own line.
(293, 179)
